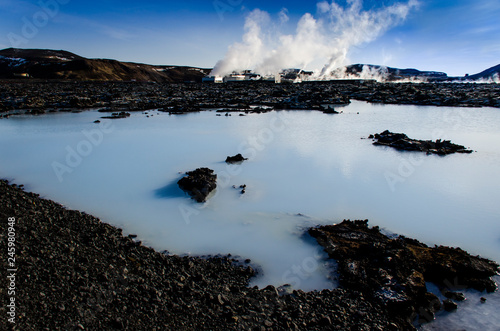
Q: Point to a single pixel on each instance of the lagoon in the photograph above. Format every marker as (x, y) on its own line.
(305, 168)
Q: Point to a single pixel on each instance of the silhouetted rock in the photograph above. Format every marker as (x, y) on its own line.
(235, 159)
(449, 305)
(401, 141)
(117, 115)
(199, 183)
(457, 296)
(330, 110)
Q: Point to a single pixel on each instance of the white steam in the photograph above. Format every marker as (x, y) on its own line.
(353, 27)
(244, 55)
(380, 74)
(327, 38)
(494, 79)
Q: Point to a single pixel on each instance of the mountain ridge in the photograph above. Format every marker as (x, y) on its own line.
(64, 65)
(51, 64)
(384, 73)
(489, 73)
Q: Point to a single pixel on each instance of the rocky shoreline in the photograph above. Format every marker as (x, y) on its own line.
(78, 273)
(116, 97)
(393, 271)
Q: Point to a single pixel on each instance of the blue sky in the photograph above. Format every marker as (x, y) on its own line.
(458, 37)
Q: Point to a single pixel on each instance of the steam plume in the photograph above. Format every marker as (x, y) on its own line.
(328, 37)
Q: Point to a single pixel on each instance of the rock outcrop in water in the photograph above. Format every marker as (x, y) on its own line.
(113, 116)
(199, 183)
(393, 271)
(401, 142)
(330, 110)
(235, 159)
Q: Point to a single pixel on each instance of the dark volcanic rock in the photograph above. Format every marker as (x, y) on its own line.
(113, 96)
(122, 114)
(401, 141)
(393, 271)
(235, 159)
(78, 273)
(429, 94)
(199, 183)
(449, 305)
(457, 296)
(330, 110)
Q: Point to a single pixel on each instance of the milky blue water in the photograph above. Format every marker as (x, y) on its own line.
(472, 314)
(305, 168)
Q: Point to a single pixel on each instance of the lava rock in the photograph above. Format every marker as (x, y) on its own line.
(185, 98)
(400, 141)
(77, 270)
(199, 183)
(117, 115)
(393, 271)
(235, 159)
(330, 110)
(457, 296)
(449, 305)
